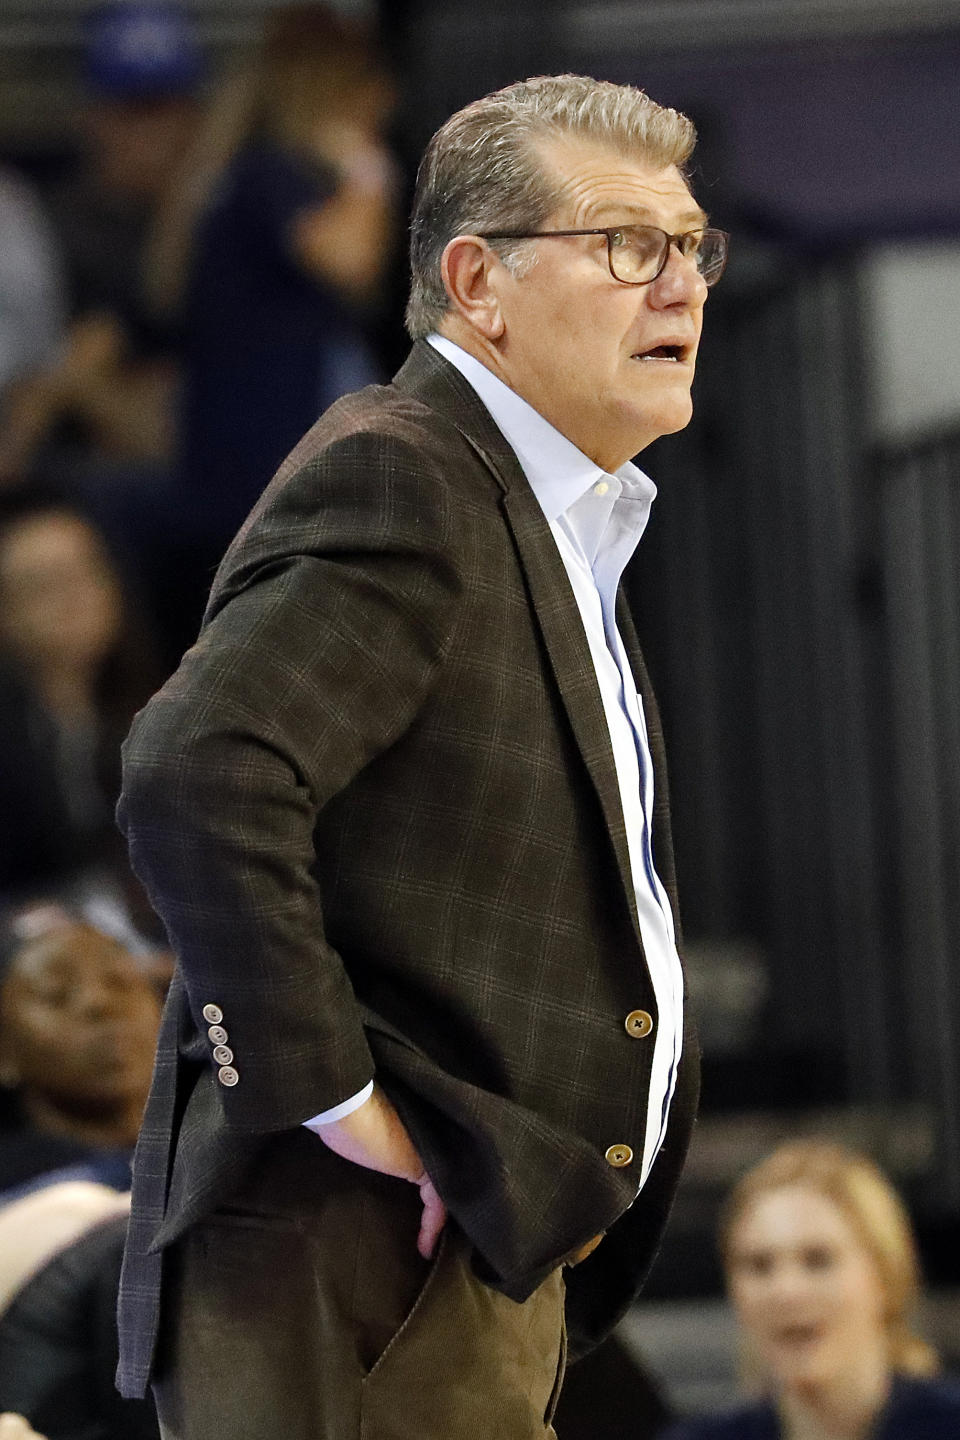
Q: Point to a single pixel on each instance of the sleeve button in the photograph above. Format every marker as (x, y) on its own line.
(227, 1075)
(218, 1035)
(212, 1014)
(222, 1054)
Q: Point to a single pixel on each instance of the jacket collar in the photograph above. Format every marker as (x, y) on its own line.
(428, 377)
(431, 379)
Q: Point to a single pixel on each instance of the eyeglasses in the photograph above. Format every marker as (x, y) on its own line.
(638, 254)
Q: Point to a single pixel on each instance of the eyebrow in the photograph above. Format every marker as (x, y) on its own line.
(696, 219)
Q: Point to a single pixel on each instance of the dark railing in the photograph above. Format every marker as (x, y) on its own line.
(799, 599)
(919, 509)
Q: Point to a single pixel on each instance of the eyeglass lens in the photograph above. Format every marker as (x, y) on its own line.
(639, 252)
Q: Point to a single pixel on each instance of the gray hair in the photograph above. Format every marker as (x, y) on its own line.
(481, 171)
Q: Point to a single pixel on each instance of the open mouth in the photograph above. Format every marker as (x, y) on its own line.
(798, 1334)
(674, 353)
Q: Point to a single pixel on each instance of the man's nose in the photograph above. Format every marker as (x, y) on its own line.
(679, 282)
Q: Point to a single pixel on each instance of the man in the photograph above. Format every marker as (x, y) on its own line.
(401, 808)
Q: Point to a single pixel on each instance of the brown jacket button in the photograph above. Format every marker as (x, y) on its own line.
(619, 1155)
(638, 1024)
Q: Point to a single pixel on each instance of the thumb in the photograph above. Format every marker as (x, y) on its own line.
(433, 1219)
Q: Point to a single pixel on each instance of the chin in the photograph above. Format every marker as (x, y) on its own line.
(676, 417)
(806, 1372)
(667, 419)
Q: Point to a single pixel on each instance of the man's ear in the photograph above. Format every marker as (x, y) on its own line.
(468, 265)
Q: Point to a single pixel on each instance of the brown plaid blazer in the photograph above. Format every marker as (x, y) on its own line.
(377, 810)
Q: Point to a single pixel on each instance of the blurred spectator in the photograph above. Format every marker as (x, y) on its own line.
(823, 1274)
(74, 667)
(58, 1338)
(36, 1226)
(278, 243)
(78, 1025)
(142, 71)
(98, 417)
(31, 287)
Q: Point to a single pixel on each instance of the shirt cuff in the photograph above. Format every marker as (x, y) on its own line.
(346, 1107)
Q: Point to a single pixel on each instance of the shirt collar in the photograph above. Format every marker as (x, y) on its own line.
(559, 473)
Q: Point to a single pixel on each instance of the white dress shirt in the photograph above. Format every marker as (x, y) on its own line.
(596, 520)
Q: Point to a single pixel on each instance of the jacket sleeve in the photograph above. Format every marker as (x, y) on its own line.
(328, 623)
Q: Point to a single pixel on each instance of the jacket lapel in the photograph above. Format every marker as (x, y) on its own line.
(433, 380)
(663, 857)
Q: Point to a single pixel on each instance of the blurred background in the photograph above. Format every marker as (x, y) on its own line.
(797, 593)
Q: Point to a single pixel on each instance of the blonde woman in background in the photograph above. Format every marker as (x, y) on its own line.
(822, 1270)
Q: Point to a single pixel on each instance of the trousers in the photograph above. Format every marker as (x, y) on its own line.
(290, 1321)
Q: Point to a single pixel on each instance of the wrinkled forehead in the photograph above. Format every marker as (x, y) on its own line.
(597, 184)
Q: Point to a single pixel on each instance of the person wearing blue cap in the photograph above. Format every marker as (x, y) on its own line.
(114, 377)
(142, 68)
